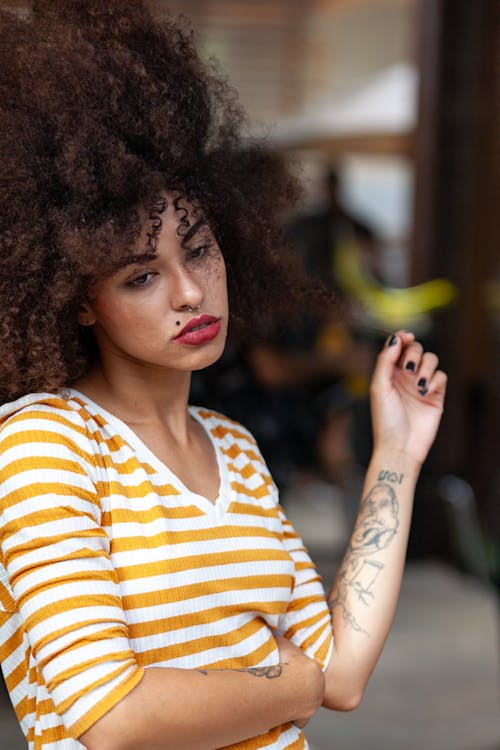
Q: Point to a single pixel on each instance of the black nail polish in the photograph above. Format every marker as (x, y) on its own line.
(423, 391)
(393, 340)
(422, 382)
(410, 366)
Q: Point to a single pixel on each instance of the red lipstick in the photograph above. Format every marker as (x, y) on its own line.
(199, 330)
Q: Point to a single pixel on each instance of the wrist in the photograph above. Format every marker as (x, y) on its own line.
(394, 460)
(306, 689)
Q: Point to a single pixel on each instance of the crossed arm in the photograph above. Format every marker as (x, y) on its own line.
(203, 710)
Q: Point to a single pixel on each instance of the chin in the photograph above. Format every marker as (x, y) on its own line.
(210, 358)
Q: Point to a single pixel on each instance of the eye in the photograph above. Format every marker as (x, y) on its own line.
(198, 252)
(142, 280)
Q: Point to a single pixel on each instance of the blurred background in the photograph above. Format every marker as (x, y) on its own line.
(389, 110)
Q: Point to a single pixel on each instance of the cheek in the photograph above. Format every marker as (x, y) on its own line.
(212, 279)
(109, 310)
(221, 280)
(113, 314)
(222, 284)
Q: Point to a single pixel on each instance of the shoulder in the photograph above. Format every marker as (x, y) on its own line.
(45, 448)
(38, 417)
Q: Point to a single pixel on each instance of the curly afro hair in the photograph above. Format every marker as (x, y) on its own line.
(102, 108)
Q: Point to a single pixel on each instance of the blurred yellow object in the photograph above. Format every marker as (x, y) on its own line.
(334, 338)
(391, 307)
(358, 386)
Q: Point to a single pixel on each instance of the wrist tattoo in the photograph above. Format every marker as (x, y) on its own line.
(376, 526)
(270, 672)
(390, 476)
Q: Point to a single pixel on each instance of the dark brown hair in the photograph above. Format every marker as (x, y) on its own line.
(103, 107)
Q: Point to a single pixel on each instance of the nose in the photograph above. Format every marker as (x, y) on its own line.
(186, 289)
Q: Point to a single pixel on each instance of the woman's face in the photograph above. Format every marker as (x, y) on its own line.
(165, 309)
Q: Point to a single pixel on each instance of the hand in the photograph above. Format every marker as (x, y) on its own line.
(310, 679)
(407, 396)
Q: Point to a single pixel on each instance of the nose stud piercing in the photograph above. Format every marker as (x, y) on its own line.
(190, 310)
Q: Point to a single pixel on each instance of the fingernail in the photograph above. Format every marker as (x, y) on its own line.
(410, 366)
(422, 382)
(423, 391)
(393, 340)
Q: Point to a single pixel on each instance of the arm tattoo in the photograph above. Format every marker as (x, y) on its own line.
(375, 528)
(390, 476)
(269, 672)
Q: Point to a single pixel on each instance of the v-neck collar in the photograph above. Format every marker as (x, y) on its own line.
(146, 455)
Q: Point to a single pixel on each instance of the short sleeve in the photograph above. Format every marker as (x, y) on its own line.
(56, 569)
(307, 621)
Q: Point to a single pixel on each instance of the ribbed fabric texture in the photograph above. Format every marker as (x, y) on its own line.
(110, 565)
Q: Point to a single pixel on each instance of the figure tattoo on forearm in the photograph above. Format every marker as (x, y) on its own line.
(375, 528)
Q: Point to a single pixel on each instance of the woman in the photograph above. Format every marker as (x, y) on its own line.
(152, 592)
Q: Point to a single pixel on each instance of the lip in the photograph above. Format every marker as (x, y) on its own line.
(199, 330)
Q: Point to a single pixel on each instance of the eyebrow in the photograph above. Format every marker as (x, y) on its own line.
(193, 229)
(139, 258)
(136, 259)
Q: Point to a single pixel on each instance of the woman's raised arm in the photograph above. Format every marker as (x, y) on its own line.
(407, 395)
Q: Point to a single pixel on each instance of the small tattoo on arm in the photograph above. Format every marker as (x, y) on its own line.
(269, 672)
(390, 476)
(376, 527)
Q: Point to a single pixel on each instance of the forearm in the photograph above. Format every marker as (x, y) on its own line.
(365, 591)
(203, 709)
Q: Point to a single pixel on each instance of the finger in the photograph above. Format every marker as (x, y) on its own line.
(411, 356)
(426, 370)
(437, 385)
(389, 356)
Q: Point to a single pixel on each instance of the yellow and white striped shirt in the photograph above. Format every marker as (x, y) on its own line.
(110, 565)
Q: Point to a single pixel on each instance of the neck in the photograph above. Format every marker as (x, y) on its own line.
(140, 396)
